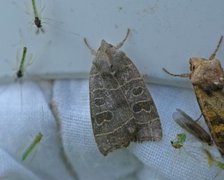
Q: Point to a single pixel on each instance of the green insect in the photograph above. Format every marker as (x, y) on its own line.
(20, 71)
(23, 63)
(37, 20)
(36, 140)
(179, 141)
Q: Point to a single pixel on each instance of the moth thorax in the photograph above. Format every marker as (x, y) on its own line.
(104, 46)
(207, 73)
(103, 64)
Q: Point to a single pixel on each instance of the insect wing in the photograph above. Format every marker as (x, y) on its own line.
(187, 123)
(212, 107)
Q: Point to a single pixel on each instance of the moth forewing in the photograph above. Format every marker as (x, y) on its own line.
(122, 110)
(212, 107)
(191, 126)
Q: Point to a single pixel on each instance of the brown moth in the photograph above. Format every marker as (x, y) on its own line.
(122, 109)
(191, 126)
(207, 78)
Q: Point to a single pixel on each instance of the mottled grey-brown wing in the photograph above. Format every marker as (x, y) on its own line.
(122, 109)
(112, 121)
(212, 108)
(187, 123)
(139, 99)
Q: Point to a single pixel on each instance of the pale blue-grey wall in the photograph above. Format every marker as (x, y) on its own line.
(164, 34)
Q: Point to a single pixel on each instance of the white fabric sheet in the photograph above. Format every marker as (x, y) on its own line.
(25, 112)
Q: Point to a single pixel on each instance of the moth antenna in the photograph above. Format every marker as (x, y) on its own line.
(93, 51)
(216, 49)
(122, 42)
(179, 75)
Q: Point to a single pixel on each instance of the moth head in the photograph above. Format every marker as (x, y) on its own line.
(104, 46)
(104, 57)
(206, 73)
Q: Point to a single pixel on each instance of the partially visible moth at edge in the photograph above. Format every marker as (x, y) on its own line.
(208, 81)
(122, 109)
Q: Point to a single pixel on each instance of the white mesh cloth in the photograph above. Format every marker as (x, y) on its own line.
(25, 112)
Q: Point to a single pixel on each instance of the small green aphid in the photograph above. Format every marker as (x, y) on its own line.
(36, 140)
(20, 71)
(178, 142)
(37, 20)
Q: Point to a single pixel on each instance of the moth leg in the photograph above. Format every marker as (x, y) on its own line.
(42, 30)
(17, 60)
(216, 49)
(180, 75)
(196, 120)
(30, 60)
(119, 45)
(93, 51)
(37, 31)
